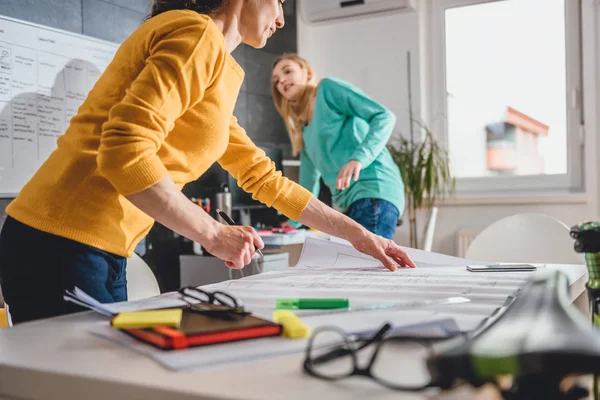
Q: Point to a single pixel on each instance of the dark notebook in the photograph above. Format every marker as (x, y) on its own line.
(199, 330)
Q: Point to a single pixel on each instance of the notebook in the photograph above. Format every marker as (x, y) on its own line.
(199, 330)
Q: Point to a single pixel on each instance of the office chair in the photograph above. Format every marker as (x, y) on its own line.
(141, 282)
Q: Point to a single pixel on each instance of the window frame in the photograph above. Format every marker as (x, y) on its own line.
(572, 180)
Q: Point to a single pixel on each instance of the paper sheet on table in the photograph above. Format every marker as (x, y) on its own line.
(319, 251)
(225, 354)
(339, 253)
(376, 285)
(167, 300)
(329, 269)
(419, 322)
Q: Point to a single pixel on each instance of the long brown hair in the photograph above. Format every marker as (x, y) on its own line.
(297, 113)
(200, 6)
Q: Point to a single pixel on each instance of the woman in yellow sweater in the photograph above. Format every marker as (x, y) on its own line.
(157, 118)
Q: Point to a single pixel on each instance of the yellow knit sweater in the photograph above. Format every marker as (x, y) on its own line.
(164, 105)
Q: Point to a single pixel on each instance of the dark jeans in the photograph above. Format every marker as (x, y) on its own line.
(37, 267)
(376, 215)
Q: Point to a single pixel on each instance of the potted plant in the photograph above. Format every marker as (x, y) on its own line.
(425, 168)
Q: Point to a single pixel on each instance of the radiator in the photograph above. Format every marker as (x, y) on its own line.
(464, 237)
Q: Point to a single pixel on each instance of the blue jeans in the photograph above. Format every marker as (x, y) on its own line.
(37, 267)
(376, 215)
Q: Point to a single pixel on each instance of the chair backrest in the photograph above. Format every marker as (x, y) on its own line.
(141, 282)
(532, 238)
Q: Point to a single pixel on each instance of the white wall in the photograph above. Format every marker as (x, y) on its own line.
(370, 53)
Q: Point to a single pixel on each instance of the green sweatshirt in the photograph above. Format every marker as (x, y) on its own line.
(348, 125)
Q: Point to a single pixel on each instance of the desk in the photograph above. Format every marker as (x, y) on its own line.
(58, 359)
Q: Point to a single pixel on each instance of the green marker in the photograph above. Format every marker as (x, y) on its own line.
(305, 304)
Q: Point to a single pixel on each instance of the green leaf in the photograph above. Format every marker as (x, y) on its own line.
(425, 168)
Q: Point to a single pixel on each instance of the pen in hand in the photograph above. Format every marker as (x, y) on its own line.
(229, 221)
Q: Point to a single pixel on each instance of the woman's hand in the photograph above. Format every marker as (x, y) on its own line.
(234, 244)
(351, 169)
(318, 216)
(166, 204)
(384, 250)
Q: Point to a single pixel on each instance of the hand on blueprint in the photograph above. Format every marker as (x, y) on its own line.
(234, 244)
(318, 216)
(384, 250)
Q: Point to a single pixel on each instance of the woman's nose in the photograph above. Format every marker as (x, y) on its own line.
(280, 20)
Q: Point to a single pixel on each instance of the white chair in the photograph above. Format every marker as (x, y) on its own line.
(531, 238)
(141, 282)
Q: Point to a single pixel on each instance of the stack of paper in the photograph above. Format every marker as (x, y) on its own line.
(83, 299)
(167, 300)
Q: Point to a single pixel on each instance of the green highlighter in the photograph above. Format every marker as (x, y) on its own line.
(307, 304)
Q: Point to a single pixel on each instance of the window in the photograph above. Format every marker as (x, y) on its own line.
(509, 74)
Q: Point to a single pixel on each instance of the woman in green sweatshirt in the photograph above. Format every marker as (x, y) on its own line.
(341, 136)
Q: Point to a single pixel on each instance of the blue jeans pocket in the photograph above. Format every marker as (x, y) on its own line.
(376, 215)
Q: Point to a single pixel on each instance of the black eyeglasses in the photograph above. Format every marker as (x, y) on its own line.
(397, 362)
(212, 304)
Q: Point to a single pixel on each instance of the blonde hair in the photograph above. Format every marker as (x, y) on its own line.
(297, 113)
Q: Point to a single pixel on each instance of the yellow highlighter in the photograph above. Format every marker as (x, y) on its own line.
(293, 327)
(147, 319)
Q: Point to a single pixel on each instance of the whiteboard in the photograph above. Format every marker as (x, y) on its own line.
(45, 75)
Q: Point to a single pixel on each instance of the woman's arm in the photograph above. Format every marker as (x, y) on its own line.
(255, 173)
(319, 216)
(349, 100)
(166, 204)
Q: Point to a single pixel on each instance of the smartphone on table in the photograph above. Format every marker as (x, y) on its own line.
(509, 267)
